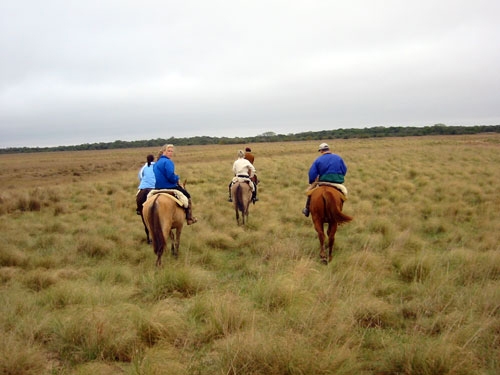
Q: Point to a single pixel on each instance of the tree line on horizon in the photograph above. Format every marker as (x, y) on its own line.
(373, 132)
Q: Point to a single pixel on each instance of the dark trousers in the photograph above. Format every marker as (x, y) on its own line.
(141, 198)
(183, 191)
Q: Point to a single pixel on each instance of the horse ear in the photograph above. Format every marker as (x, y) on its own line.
(185, 181)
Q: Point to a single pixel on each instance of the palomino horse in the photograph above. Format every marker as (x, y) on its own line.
(326, 207)
(242, 196)
(162, 214)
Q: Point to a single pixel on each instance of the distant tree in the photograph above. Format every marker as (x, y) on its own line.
(378, 131)
(268, 134)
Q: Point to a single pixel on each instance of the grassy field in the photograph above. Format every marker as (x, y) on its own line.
(413, 288)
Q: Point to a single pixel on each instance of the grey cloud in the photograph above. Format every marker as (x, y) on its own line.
(105, 70)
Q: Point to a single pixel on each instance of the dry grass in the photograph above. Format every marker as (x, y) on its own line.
(414, 286)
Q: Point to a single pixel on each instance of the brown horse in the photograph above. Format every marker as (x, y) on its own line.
(326, 207)
(162, 214)
(242, 196)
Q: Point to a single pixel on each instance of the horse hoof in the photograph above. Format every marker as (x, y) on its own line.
(324, 261)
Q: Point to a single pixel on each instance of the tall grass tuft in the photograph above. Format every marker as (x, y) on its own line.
(218, 316)
(161, 325)
(12, 257)
(421, 357)
(19, 357)
(278, 353)
(95, 334)
(174, 281)
(94, 247)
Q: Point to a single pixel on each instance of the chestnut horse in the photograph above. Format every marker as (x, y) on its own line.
(242, 196)
(326, 207)
(162, 214)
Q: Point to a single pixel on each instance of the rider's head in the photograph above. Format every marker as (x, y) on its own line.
(241, 154)
(167, 150)
(323, 147)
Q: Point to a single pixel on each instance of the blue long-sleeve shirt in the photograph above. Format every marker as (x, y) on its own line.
(147, 177)
(165, 173)
(328, 167)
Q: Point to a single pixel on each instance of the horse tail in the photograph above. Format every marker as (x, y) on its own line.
(154, 218)
(333, 207)
(239, 198)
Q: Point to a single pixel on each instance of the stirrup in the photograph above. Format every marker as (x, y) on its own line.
(191, 220)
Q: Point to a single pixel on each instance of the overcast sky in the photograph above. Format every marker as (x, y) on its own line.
(74, 72)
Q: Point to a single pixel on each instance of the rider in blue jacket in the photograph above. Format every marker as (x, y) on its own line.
(147, 182)
(166, 178)
(327, 167)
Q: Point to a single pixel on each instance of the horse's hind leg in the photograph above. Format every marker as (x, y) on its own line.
(146, 229)
(175, 238)
(332, 229)
(321, 236)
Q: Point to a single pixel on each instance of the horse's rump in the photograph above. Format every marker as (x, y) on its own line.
(327, 202)
(339, 187)
(246, 180)
(163, 214)
(153, 222)
(241, 192)
(326, 207)
(238, 192)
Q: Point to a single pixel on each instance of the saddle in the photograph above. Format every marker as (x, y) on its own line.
(243, 179)
(339, 187)
(175, 194)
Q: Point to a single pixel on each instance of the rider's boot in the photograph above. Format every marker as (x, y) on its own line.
(254, 194)
(189, 214)
(230, 199)
(305, 211)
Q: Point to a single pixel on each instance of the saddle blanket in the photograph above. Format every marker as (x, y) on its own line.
(182, 200)
(339, 187)
(243, 179)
